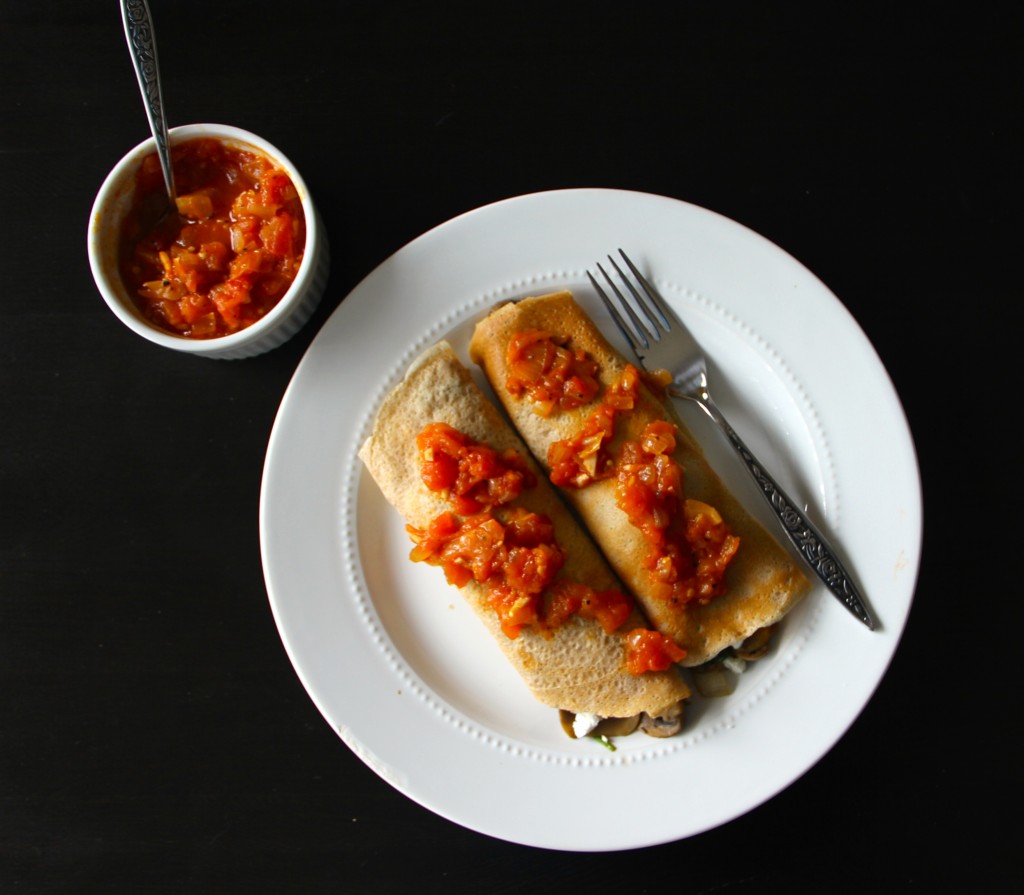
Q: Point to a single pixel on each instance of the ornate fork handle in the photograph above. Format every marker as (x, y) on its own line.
(800, 530)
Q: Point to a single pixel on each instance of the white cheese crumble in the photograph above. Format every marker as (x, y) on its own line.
(735, 664)
(584, 722)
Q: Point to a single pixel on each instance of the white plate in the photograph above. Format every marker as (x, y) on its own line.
(399, 666)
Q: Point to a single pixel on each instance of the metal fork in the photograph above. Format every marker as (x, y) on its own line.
(660, 340)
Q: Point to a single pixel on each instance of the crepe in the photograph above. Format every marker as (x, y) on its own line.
(580, 668)
(762, 583)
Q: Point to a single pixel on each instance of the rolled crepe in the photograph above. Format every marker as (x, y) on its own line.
(580, 668)
(762, 581)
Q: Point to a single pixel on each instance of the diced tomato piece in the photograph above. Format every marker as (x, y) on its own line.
(276, 235)
(215, 255)
(276, 187)
(651, 651)
(249, 203)
(229, 297)
(194, 306)
(246, 263)
(204, 326)
(195, 206)
(609, 608)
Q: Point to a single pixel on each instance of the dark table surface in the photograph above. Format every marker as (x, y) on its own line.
(154, 736)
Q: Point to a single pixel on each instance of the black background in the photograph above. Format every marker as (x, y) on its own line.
(153, 735)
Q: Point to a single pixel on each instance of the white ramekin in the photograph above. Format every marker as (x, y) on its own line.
(289, 315)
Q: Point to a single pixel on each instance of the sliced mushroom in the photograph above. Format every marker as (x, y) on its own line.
(607, 727)
(713, 680)
(565, 717)
(616, 727)
(666, 723)
(756, 646)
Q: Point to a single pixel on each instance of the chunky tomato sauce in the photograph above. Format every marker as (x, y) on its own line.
(511, 550)
(651, 651)
(230, 254)
(473, 476)
(691, 546)
(585, 458)
(548, 373)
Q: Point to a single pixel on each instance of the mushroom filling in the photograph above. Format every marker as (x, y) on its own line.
(664, 723)
(713, 678)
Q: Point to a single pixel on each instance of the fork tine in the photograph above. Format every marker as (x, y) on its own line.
(652, 294)
(653, 326)
(645, 333)
(634, 341)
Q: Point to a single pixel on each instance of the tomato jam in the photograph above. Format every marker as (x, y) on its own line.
(651, 651)
(577, 461)
(473, 476)
(691, 546)
(230, 254)
(548, 373)
(511, 550)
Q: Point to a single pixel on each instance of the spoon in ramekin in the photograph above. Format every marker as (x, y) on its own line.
(138, 29)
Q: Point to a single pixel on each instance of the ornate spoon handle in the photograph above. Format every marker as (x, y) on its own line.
(801, 531)
(138, 29)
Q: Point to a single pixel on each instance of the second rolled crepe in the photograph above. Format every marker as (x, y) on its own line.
(762, 583)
